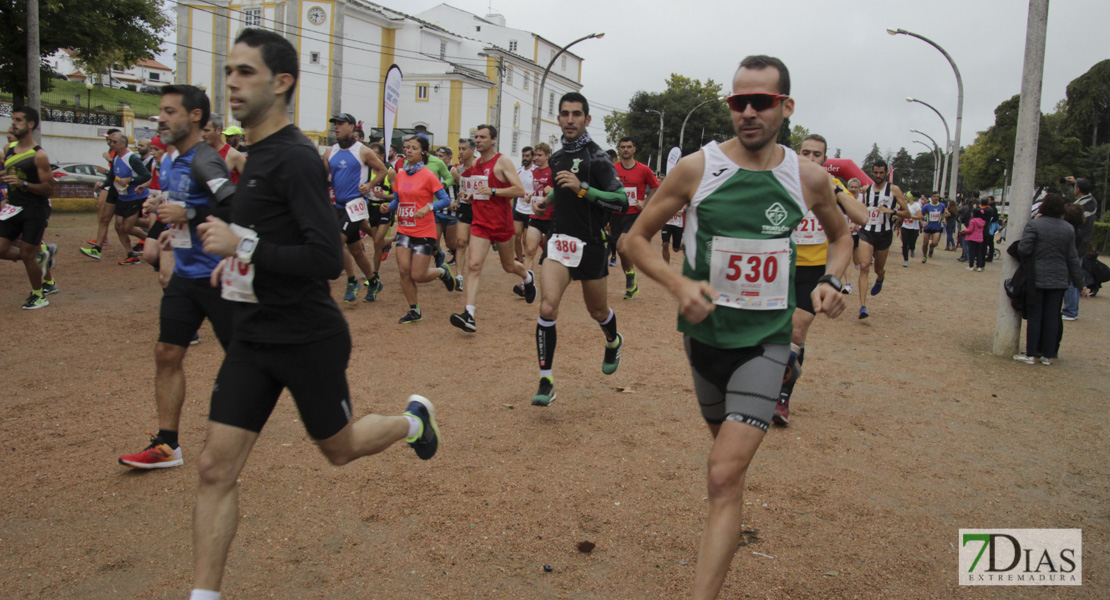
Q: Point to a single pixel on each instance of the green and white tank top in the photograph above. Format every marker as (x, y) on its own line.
(737, 237)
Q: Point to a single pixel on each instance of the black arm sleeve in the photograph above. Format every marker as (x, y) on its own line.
(210, 170)
(321, 254)
(139, 172)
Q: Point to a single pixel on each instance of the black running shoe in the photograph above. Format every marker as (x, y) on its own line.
(530, 289)
(465, 322)
(546, 394)
(518, 289)
(612, 356)
(413, 316)
(447, 277)
(440, 257)
(426, 442)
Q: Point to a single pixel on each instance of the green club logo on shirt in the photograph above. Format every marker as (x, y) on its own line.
(574, 167)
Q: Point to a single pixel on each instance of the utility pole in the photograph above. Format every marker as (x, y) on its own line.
(34, 91)
(1007, 326)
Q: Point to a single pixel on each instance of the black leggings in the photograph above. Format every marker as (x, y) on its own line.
(909, 240)
(1042, 337)
(977, 250)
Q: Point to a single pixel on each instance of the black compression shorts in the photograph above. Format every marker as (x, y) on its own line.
(740, 384)
(465, 213)
(805, 281)
(29, 225)
(349, 229)
(672, 234)
(881, 241)
(253, 376)
(185, 305)
(594, 263)
(541, 225)
(128, 209)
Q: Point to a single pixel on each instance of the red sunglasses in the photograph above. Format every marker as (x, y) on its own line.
(760, 102)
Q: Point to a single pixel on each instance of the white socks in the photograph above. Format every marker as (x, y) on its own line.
(204, 595)
(414, 430)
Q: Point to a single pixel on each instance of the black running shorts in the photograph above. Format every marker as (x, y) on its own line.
(128, 209)
(113, 195)
(881, 241)
(465, 213)
(740, 384)
(28, 226)
(418, 245)
(185, 305)
(541, 225)
(519, 216)
(349, 229)
(253, 376)
(672, 234)
(805, 281)
(594, 263)
(377, 217)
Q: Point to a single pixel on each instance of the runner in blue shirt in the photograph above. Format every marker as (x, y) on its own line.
(933, 216)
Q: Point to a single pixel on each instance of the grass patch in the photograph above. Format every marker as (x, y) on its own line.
(104, 99)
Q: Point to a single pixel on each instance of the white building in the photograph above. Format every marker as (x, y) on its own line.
(146, 72)
(450, 60)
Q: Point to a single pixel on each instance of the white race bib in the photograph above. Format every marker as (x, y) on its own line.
(565, 249)
(633, 198)
(238, 276)
(121, 187)
(179, 234)
(934, 217)
(9, 211)
(678, 220)
(356, 210)
(472, 183)
(874, 216)
(809, 231)
(406, 214)
(751, 274)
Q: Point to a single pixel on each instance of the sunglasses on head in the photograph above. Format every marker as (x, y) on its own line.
(739, 102)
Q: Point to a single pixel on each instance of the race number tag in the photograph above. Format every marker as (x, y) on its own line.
(934, 217)
(356, 210)
(751, 274)
(874, 216)
(238, 276)
(565, 249)
(678, 220)
(9, 211)
(179, 234)
(406, 214)
(472, 183)
(809, 231)
(633, 198)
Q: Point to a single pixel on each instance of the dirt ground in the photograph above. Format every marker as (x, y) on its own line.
(905, 428)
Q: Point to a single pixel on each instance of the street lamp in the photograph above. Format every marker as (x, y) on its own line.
(88, 99)
(948, 146)
(936, 159)
(536, 105)
(940, 157)
(659, 159)
(959, 106)
(682, 132)
(500, 87)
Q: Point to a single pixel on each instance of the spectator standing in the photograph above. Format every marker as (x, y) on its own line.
(1083, 235)
(973, 240)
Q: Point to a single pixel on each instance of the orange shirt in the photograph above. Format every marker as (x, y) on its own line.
(413, 193)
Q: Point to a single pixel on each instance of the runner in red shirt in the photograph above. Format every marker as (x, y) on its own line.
(213, 133)
(491, 185)
(540, 223)
(639, 183)
(418, 193)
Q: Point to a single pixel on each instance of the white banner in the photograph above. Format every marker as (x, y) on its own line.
(672, 158)
(392, 98)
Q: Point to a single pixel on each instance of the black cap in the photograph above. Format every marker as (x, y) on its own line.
(343, 118)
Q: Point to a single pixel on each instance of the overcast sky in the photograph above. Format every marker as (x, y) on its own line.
(850, 79)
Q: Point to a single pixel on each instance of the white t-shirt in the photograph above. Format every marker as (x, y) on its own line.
(915, 210)
(524, 204)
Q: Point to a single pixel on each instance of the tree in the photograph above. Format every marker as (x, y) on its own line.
(680, 97)
(797, 136)
(872, 157)
(1088, 108)
(132, 29)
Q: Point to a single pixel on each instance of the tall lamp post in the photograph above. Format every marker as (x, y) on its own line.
(536, 105)
(88, 99)
(940, 158)
(659, 159)
(959, 106)
(500, 88)
(947, 148)
(936, 159)
(682, 132)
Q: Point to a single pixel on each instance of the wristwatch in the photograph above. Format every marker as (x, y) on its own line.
(492, 192)
(190, 214)
(245, 250)
(831, 280)
(25, 185)
(585, 188)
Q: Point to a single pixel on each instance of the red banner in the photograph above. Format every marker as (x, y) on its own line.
(845, 169)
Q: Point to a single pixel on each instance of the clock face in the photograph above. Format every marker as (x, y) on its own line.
(316, 15)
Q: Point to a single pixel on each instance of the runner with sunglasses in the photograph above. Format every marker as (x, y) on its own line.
(743, 199)
(884, 201)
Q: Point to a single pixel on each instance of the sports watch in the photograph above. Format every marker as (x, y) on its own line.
(247, 245)
(831, 280)
(585, 188)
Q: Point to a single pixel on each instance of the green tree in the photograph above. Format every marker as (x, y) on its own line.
(872, 156)
(797, 136)
(130, 30)
(1088, 107)
(680, 97)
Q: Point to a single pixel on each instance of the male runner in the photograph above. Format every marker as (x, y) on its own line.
(289, 333)
(522, 210)
(884, 201)
(586, 187)
(491, 184)
(24, 215)
(377, 190)
(539, 224)
(349, 162)
(639, 183)
(213, 134)
(127, 176)
(107, 196)
(462, 207)
(234, 137)
(744, 197)
(812, 246)
(932, 217)
(196, 185)
(911, 228)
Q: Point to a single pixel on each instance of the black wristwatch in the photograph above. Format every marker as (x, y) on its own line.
(831, 280)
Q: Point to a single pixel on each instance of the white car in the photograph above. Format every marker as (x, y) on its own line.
(77, 173)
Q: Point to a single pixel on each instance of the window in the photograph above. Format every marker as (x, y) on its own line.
(509, 75)
(153, 76)
(421, 92)
(516, 116)
(252, 17)
(527, 79)
(512, 45)
(314, 58)
(551, 104)
(516, 141)
(442, 49)
(564, 62)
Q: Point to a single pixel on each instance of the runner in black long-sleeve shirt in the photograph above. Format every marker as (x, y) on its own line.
(281, 250)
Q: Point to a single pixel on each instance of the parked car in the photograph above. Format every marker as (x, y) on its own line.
(150, 89)
(77, 173)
